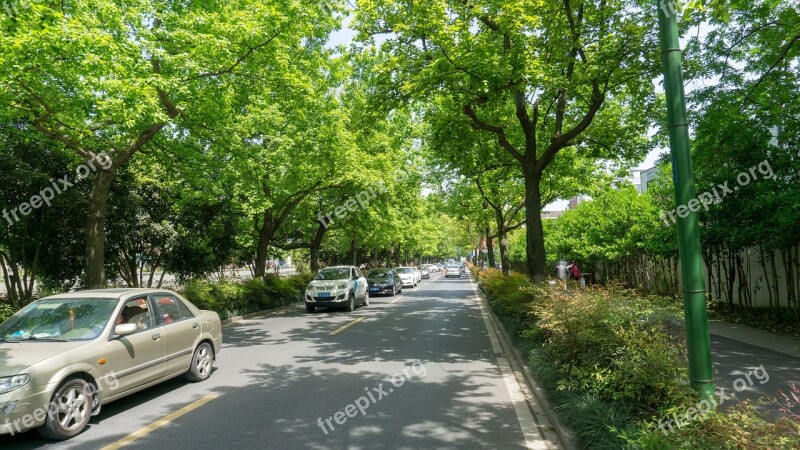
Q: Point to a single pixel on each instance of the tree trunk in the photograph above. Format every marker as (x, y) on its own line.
(316, 243)
(265, 236)
(96, 229)
(536, 261)
(490, 247)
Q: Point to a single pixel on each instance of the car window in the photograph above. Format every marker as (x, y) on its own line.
(171, 309)
(379, 273)
(359, 273)
(333, 273)
(60, 318)
(136, 311)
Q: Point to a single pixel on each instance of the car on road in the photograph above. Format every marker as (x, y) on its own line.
(67, 355)
(407, 275)
(384, 281)
(417, 274)
(337, 286)
(424, 272)
(452, 271)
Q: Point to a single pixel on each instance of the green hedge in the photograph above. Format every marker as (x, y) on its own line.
(613, 364)
(231, 299)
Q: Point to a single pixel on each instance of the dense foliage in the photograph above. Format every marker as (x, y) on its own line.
(613, 362)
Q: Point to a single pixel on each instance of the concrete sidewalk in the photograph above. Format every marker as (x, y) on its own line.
(779, 343)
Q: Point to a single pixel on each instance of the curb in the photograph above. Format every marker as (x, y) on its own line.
(568, 439)
(263, 313)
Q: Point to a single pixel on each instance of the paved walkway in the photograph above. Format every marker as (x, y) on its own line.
(752, 364)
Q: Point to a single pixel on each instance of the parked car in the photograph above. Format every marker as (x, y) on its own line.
(336, 287)
(67, 355)
(424, 272)
(452, 271)
(407, 275)
(384, 281)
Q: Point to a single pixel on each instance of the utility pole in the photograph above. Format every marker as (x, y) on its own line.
(694, 301)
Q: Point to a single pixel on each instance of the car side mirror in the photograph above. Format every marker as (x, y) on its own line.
(125, 329)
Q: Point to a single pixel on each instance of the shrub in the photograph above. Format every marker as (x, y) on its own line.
(6, 311)
(740, 427)
(612, 346)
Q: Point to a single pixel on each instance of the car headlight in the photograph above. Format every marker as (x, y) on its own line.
(342, 286)
(8, 384)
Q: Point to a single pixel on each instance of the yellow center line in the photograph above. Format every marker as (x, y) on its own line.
(159, 423)
(346, 326)
(398, 298)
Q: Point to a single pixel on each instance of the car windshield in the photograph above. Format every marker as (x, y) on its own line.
(378, 274)
(403, 270)
(453, 267)
(59, 319)
(333, 273)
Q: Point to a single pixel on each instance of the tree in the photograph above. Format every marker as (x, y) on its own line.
(107, 76)
(540, 77)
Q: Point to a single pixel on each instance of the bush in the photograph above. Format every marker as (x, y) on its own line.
(740, 427)
(236, 299)
(6, 311)
(614, 347)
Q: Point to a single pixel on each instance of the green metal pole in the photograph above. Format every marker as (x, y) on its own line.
(694, 303)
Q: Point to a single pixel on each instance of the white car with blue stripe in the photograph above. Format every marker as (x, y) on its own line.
(337, 286)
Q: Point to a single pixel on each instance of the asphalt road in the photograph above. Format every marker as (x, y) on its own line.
(419, 369)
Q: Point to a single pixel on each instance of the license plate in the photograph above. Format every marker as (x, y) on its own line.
(374, 288)
(324, 294)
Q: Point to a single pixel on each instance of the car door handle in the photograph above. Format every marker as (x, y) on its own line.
(156, 336)
(195, 325)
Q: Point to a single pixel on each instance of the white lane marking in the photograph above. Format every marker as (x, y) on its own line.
(530, 429)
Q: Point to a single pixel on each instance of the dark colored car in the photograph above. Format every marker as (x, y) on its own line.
(384, 281)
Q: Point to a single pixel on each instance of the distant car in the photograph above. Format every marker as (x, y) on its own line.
(417, 274)
(384, 281)
(452, 271)
(66, 355)
(339, 286)
(407, 275)
(424, 272)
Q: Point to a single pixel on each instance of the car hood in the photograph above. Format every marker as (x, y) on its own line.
(406, 275)
(18, 357)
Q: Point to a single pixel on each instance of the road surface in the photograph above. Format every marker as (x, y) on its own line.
(420, 371)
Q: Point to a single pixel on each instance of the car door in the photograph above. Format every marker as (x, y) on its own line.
(181, 330)
(137, 358)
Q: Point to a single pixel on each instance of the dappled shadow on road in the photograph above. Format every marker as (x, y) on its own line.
(736, 365)
(413, 415)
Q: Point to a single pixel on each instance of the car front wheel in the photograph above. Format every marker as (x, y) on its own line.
(310, 309)
(202, 361)
(68, 411)
(351, 303)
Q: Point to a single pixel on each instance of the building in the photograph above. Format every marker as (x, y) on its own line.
(641, 178)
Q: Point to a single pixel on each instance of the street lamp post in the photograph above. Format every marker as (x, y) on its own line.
(694, 304)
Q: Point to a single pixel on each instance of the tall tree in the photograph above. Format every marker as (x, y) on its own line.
(538, 76)
(120, 77)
